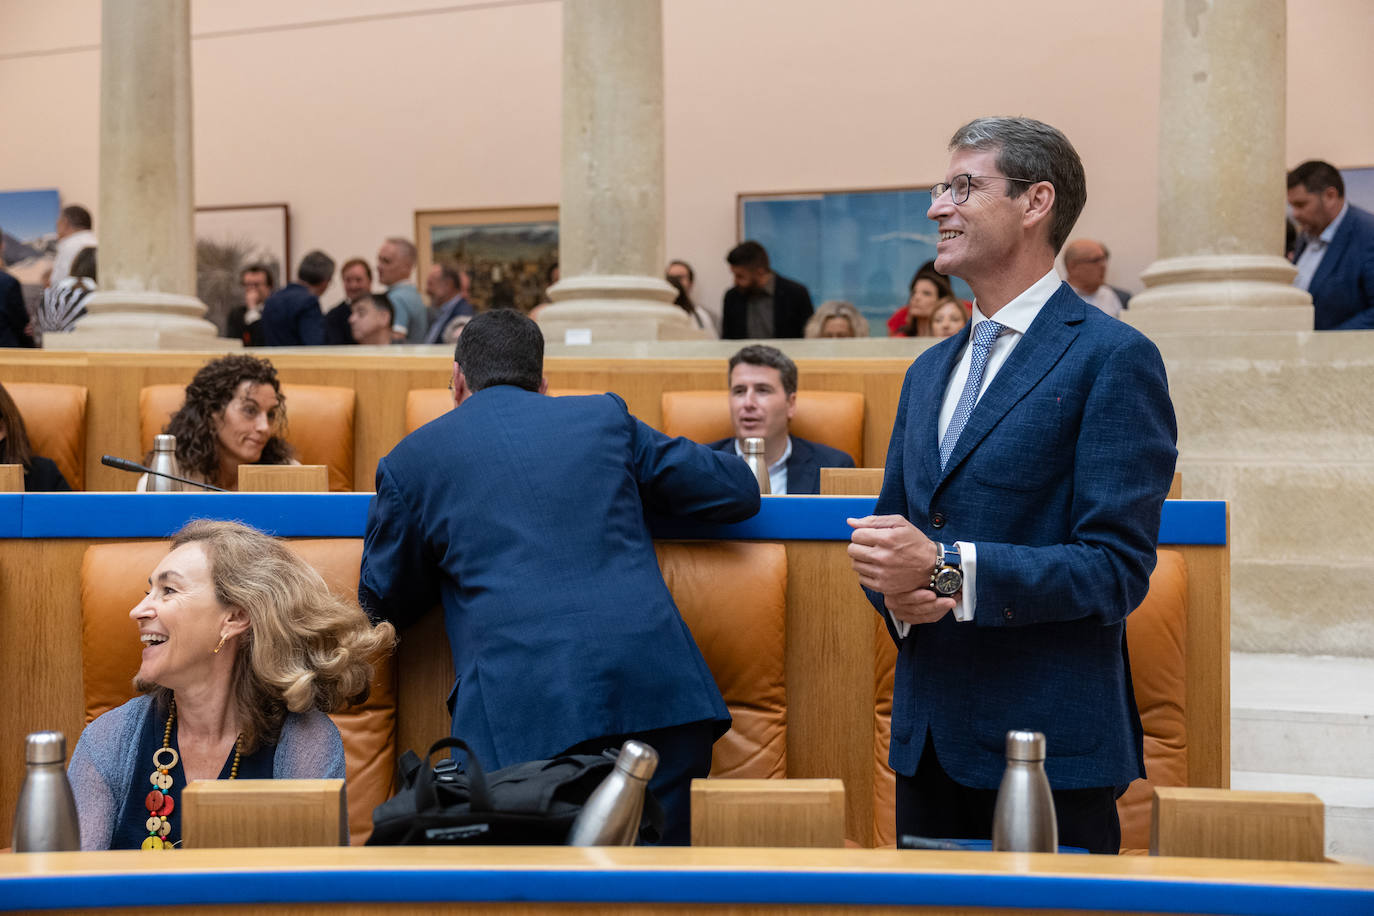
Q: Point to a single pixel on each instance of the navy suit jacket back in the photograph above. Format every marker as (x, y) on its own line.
(1058, 479)
(804, 466)
(291, 317)
(1343, 287)
(525, 516)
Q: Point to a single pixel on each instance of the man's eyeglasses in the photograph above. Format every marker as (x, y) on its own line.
(961, 185)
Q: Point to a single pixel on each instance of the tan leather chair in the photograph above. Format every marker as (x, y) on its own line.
(55, 418)
(833, 418)
(319, 424)
(426, 404)
(733, 596)
(1155, 638)
(113, 579)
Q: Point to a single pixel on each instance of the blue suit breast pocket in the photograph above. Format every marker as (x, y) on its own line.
(1027, 448)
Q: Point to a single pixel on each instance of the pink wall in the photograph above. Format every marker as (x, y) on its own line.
(359, 112)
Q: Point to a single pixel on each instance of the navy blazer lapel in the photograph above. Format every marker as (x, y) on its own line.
(1334, 252)
(1036, 353)
(931, 394)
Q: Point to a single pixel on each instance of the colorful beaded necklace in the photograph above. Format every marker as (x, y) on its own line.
(159, 801)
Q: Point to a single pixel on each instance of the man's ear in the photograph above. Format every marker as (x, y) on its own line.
(544, 384)
(1039, 199)
(791, 405)
(459, 385)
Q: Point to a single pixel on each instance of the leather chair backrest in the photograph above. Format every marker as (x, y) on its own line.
(55, 418)
(113, 579)
(1156, 641)
(426, 404)
(733, 596)
(319, 424)
(833, 418)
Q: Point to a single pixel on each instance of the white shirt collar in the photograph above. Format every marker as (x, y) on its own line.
(1021, 311)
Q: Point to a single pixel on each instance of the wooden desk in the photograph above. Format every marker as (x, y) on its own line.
(761, 882)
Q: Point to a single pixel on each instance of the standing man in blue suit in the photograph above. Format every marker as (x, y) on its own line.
(1020, 508)
(1335, 253)
(291, 316)
(525, 516)
(763, 400)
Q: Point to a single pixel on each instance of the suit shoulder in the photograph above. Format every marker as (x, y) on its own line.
(824, 455)
(721, 445)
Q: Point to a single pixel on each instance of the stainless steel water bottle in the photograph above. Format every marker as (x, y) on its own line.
(1024, 819)
(612, 813)
(45, 818)
(164, 460)
(753, 454)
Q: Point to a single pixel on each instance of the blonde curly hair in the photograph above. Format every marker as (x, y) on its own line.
(304, 647)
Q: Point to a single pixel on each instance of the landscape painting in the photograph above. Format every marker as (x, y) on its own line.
(509, 251)
(28, 237)
(228, 239)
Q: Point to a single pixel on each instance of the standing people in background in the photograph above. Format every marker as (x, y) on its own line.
(370, 320)
(925, 292)
(564, 636)
(291, 316)
(1028, 467)
(448, 286)
(40, 474)
(243, 321)
(1335, 253)
(395, 263)
(1085, 269)
(761, 304)
(680, 275)
(61, 306)
(14, 315)
(837, 319)
(73, 234)
(948, 319)
(763, 400)
(356, 277)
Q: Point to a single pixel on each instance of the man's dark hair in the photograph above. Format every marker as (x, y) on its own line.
(382, 301)
(1032, 151)
(450, 272)
(316, 268)
(769, 357)
(259, 268)
(77, 217)
(1316, 176)
(358, 262)
(84, 264)
(501, 347)
(748, 254)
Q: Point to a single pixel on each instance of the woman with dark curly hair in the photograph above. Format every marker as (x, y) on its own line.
(234, 414)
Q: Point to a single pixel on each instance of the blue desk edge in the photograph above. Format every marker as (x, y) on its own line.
(158, 515)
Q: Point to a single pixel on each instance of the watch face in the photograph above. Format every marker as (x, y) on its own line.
(947, 582)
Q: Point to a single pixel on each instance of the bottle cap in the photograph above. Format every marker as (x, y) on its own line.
(753, 446)
(45, 747)
(637, 759)
(164, 442)
(1027, 746)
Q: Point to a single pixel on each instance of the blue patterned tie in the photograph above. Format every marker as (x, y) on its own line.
(983, 338)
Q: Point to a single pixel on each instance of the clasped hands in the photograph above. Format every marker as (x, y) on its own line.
(893, 557)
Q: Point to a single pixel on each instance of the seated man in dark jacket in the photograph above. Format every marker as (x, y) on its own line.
(763, 398)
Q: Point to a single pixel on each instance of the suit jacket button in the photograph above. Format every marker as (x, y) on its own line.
(1007, 613)
(937, 520)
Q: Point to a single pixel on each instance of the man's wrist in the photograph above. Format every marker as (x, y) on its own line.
(947, 579)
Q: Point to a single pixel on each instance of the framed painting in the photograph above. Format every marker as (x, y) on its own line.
(28, 238)
(862, 246)
(228, 239)
(509, 251)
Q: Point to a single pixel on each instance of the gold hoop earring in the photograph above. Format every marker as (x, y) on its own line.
(220, 646)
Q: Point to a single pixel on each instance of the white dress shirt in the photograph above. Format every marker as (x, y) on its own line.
(1015, 317)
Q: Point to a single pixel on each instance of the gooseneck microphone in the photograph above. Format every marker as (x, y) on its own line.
(125, 464)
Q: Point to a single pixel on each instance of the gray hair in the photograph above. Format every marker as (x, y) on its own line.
(405, 246)
(1033, 151)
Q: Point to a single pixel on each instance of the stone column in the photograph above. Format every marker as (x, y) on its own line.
(147, 278)
(611, 240)
(1222, 193)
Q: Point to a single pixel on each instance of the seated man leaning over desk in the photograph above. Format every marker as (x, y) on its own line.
(763, 400)
(525, 516)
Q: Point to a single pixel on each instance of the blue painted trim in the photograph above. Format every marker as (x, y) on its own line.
(847, 888)
(158, 515)
(11, 515)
